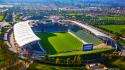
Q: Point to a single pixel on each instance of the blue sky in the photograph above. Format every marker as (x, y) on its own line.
(122, 2)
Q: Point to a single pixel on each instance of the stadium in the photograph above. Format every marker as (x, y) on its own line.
(60, 38)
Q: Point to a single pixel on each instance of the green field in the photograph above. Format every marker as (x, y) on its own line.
(64, 44)
(2, 61)
(1, 18)
(74, 14)
(59, 42)
(81, 52)
(112, 18)
(113, 28)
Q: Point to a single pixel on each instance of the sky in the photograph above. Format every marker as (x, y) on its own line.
(116, 2)
(64, 0)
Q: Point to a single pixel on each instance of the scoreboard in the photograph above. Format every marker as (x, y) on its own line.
(87, 47)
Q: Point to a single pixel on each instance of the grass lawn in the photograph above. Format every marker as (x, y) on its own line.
(81, 52)
(74, 14)
(2, 62)
(64, 42)
(1, 18)
(121, 42)
(59, 42)
(114, 28)
(112, 18)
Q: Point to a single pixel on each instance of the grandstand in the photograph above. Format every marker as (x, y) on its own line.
(50, 27)
(25, 38)
(60, 37)
(107, 39)
(82, 34)
(75, 29)
(53, 38)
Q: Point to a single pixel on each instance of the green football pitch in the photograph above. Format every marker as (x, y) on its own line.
(59, 42)
(113, 28)
(112, 18)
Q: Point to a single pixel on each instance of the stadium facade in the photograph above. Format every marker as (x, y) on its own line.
(24, 34)
(107, 39)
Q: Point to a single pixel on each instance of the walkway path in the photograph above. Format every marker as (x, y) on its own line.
(14, 47)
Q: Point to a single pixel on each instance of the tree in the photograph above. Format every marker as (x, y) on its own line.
(122, 32)
(68, 61)
(46, 58)
(57, 61)
(79, 59)
(74, 60)
(2, 38)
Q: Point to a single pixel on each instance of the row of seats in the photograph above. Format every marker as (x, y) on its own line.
(89, 38)
(36, 50)
(50, 28)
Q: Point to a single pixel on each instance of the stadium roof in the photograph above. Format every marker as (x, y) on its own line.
(24, 34)
(91, 29)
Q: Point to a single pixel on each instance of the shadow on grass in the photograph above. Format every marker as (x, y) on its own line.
(44, 36)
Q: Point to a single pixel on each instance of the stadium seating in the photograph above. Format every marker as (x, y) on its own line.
(89, 38)
(35, 50)
(53, 27)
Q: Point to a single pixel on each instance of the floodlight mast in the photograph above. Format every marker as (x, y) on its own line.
(116, 46)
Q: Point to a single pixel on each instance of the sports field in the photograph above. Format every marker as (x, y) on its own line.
(1, 18)
(59, 42)
(113, 28)
(112, 18)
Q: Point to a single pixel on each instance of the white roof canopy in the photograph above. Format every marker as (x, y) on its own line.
(24, 34)
(92, 30)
